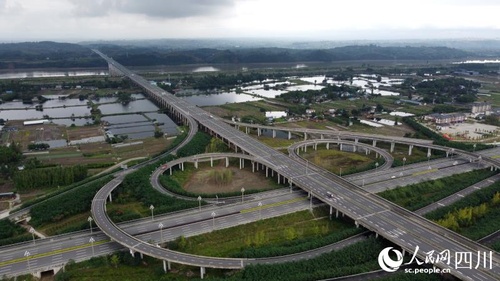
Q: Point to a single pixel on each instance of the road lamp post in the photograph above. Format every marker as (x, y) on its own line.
(376, 165)
(160, 225)
(91, 240)
(90, 222)
(213, 220)
(32, 231)
(404, 161)
(340, 174)
(260, 210)
(199, 203)
(152, 214)
(474, 148)
(242, 194)
(27, 255)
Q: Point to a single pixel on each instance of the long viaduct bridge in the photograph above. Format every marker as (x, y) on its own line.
(398, 225)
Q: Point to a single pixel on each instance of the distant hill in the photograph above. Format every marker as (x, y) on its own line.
(65, 55)
(47, 54)
(137, 56)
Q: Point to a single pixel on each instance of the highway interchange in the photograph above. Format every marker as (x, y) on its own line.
(51, 253)
(396, 224)
(399, 226)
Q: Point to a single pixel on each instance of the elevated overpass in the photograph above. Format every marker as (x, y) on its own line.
(396, 224)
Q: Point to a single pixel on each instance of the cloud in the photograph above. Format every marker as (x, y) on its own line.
(10, 7)
(151, 8)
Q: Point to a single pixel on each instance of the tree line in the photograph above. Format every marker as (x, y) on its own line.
(48, 177)
(10, 157)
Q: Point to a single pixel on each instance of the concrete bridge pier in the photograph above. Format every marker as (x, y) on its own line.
(376, 234)
(170, 169)
(410, 148)
(267, 172)
(202, 272)
(356, 223)
(246, 130)
(305, 136)
(211, 161)
(374, 143)
(331, 211)
(182, 166)
(340, 147)
(253, 167)
(337, 213)
(279, 178)
(322, 136)
(392, 147)
(305, 148)
(311, 202)
(429, 152)
(315, 146)
(274, 134)
(289, 135)
(196, 163)
(110, 198)
(165, 266)
(327, 145)
(132, 252)
(227, 162)
(259, 131)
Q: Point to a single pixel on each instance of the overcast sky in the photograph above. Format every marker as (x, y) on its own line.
(77, 20)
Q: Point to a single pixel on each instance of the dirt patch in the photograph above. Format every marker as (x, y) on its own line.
(81, 132)
(201, 182)
(34, 133)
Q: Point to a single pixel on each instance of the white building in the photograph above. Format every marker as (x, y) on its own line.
(275, 114)
(481, 108)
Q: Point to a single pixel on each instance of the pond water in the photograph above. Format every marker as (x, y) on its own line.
(68, 112)
(206, 69)
(219, 99)
(41, 74)
(132, 107)
(77, 121)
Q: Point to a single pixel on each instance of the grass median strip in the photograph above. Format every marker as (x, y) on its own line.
(254, 209)
(55, 252)
(424, 172)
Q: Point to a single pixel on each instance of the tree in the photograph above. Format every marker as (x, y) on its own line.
(124, 98)
(115, 260)
(379, 78)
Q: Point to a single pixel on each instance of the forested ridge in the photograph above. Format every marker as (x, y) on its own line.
(64, 55)
(157, 56)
